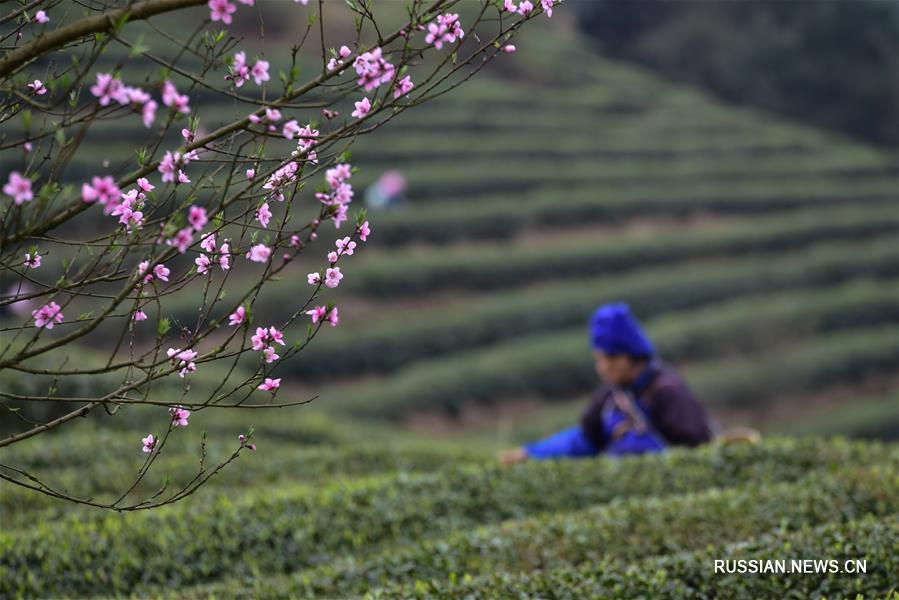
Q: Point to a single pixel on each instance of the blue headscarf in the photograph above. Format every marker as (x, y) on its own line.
(614, 330)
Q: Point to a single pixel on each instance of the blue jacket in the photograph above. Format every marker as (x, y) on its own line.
(671, 416)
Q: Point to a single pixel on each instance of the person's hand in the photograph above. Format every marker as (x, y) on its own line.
(515, 455)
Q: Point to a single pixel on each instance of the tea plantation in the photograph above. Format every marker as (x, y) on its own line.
(760, 255)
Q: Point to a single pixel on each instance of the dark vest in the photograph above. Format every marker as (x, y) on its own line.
(671, 408)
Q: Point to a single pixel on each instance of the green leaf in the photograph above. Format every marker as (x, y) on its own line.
(138, 47)
(163, 326)
(122, 20)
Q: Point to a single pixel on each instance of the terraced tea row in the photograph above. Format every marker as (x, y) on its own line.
(861, 543)
(624, 531)
(395, 342)
(280, 531)
(399, 274)
(504, 215)
(559, 366)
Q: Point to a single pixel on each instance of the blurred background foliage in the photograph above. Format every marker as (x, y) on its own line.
(830, 63)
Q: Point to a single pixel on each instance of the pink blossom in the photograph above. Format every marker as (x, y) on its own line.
(187, 368)
(47, 315)
(525, 8)
(32, 261)
(142, 100)
(263, 214)
(167, 165)
(333, 277)
(270, 355)
(27, 146)
(244, 444)
(294, 241)
(103, 190)
(547, 7)
(140, 315)
(197, 217)
(446, 29)
(321, 313)
(260, 72)
(187, 134)
(18, 188)
(259, 340)
(171, 98)
(508, 48)
(303, 2)
(225, 256)
(280, 178)
(179, 416)
(362, 108)
(307, 140)
(221, 10)
(338, 174)
(202, 263)
(332, 257)
(317, 313)
(373, 70)
(403, 87)
(342, 191)
(344, 52)
(148, 112)
(37, 87)
(162, 272)
(183, 359)
(290, 129)
(330, 114)
(126, 212)
(264, 340)
(182, 177)
(207, 242)
(364, 231)
(142, 271)
(177, 354)
(145, 185)
(41, 17)
(345, 246)
(182, 239)
(339, 216)
(251, 173)
(149, 443)
(270, 385)
(109, 88)
(276, 335)
(240, 72)
(259, 253)
(272, 115)
(314, 278)
(236, 318)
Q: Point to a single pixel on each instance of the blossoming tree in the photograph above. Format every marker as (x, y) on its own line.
(87, 259)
